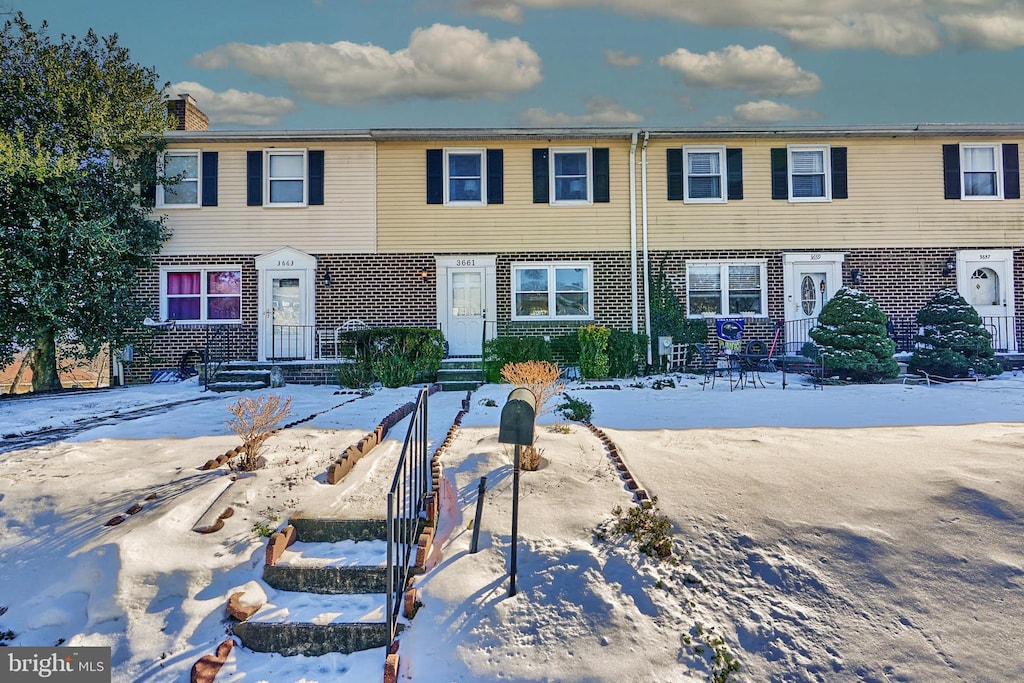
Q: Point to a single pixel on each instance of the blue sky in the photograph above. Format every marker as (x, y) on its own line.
(299, 64)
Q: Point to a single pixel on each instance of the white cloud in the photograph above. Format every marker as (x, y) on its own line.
(601, 111)
(506, 10)
(620, 58)
(441, 62)
(997, 32)
(234, 106)
(912, 27)
(761, 70)
(766, 111)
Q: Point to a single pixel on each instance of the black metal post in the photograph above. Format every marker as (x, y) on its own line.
(474, 546)
(515, 524)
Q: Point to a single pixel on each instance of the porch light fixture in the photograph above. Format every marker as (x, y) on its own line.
(327, 278)
(950, 268)
(423, 275)
(856, 276)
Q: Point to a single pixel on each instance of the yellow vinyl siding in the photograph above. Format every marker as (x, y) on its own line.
(406, 223)
(895, 200)
(345, 222)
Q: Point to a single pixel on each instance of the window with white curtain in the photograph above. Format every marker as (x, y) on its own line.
(705, 174)
(285, 177)
(735, 288)
(980, 169)
(810, 173)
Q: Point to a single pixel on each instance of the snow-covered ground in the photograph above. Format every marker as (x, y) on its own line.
(859, 533)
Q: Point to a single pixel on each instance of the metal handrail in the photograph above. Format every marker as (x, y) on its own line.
(217, 351)
(405, 502)
(292, 342)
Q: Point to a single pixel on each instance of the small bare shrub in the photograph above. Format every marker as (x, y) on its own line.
(542, 378)
(254, 420)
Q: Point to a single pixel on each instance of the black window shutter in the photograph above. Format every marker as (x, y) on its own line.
(209, 179)
(435, 176)
(734, 169)
(540, 176)
(951, 170)
(839, 175)
(254, 178)
(674, 164)
(602, 175)
(780, 173)
(147, 188)
(315, 164)
(495, 176)
(1011, 172)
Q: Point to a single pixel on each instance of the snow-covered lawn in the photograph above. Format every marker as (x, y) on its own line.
(856, 533)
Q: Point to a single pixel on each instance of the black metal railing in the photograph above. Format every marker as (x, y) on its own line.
(293, 342)
(795, 334)
(405, 507)
(218, 351)
(1006, 332)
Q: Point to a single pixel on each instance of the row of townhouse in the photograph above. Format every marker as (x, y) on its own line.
(509, 231)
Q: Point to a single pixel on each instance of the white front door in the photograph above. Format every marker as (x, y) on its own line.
(464, 327)
(985, 279)
(286, 299)
(810, 280)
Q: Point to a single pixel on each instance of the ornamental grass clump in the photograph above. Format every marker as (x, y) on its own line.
(543, 379)
(255, 419)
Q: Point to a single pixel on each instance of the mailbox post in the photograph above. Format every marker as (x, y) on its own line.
(517, 418)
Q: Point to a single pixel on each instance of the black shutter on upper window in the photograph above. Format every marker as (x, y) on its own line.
(435, 176)
(780, 173)
(734, 171)
(1011, 172)
(315, 166)
(951, 171)
(839, 183)
(540, 176)
(254, 178)
(674, 170)
(209, 179)
(147, 188)
(495, 176)
(602, 175)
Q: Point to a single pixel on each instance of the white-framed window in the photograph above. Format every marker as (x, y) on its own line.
(465, 177)
(981, 167)
(284, 177)
(183, 167)
(201, 295)
(705, 181)
(727, 288)
(810, 173)
(553, 291)
(569, 175)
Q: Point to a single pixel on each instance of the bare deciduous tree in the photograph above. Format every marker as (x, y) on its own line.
(254, 420)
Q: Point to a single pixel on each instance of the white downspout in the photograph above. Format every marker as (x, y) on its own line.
(632, 233)
(647, 279)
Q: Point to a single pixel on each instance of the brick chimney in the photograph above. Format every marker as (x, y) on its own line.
(188, 115)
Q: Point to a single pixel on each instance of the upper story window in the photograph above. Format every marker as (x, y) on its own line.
(465, 177)
(182, 189)
(571, 182)
(737, 288)
(552, 291)
(980, 171)
(705, 174)
(809, 173)
(201, 295)
(285, 183)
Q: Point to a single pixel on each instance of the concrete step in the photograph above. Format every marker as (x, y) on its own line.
(290, 638)
(243, 376)
(311, 529)
(460, 386)
(221, 387)
(460, 375)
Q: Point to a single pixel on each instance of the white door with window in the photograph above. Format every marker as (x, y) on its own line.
(810, 280)
(466, 303)
(985, 279)
(286, 330)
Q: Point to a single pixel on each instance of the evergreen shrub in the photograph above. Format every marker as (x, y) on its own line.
(594, 361)
(852, 336)
(952, 342)
(501, 351)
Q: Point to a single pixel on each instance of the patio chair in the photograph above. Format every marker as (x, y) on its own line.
(706, 362)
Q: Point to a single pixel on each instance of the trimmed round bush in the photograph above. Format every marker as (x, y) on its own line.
(852, 336)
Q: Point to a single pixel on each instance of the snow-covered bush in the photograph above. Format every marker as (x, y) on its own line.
(953, 342)
(852, 336)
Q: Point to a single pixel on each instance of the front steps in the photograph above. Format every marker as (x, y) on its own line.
(333, 591)
(240, 380)
(461, 374)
